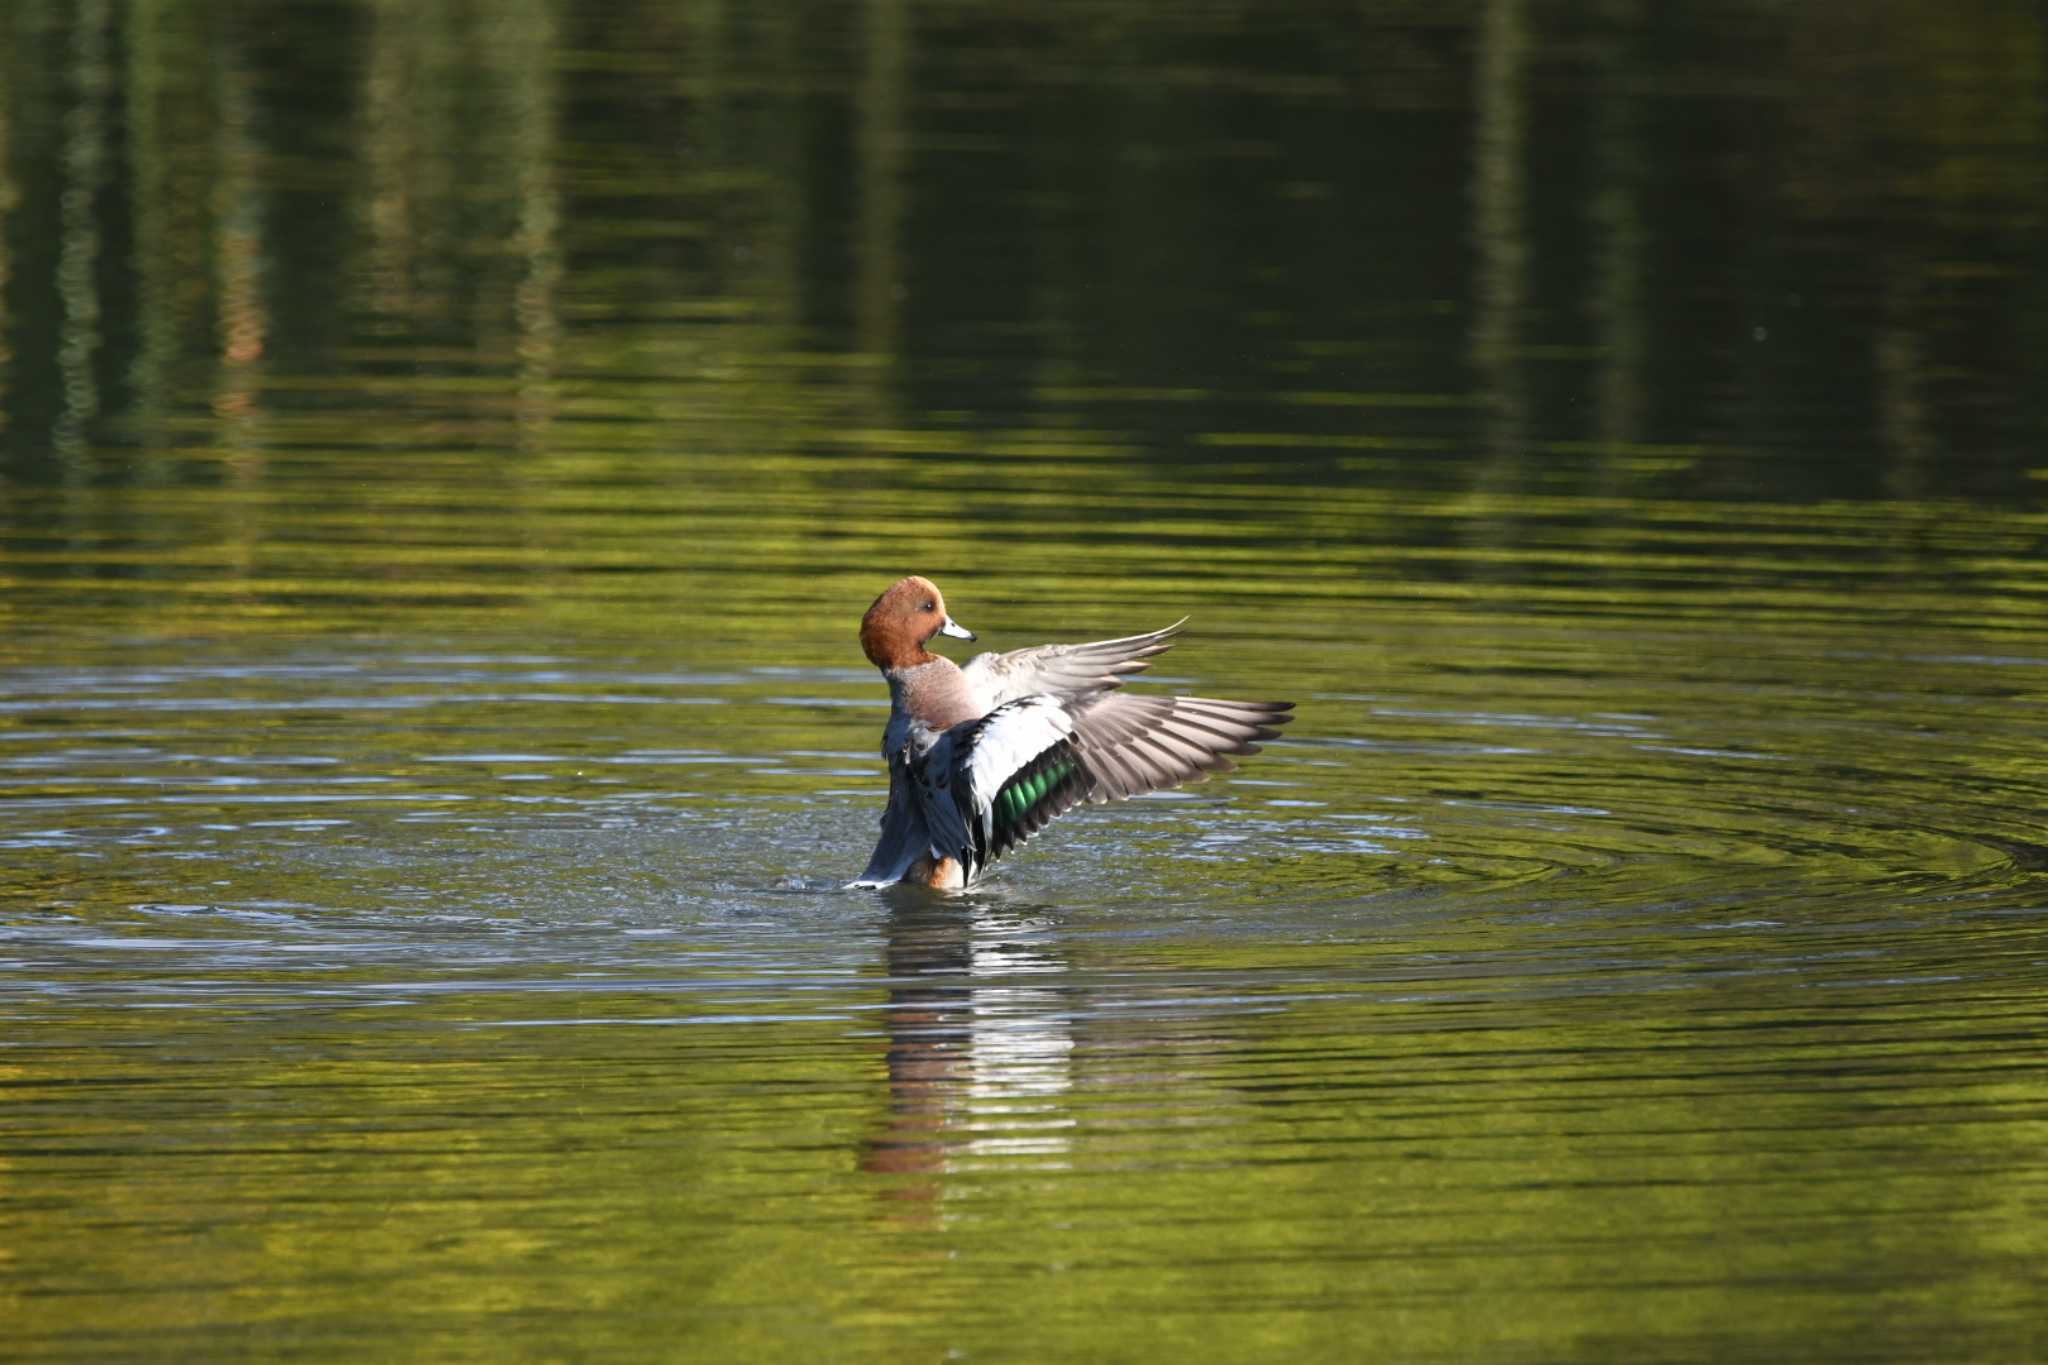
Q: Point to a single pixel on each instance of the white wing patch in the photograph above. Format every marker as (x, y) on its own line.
(1011, 736)
(971, 762)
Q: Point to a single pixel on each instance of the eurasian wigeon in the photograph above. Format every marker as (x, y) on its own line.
(983, 757)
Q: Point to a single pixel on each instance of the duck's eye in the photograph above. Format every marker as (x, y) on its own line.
(931, 606)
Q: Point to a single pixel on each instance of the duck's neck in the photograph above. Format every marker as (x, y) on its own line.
(933, 691)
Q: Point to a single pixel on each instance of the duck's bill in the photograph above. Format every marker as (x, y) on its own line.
(956, 630)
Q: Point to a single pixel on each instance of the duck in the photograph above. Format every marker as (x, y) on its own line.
(983, 756)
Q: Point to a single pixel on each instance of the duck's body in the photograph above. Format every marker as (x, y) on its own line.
(982, 757)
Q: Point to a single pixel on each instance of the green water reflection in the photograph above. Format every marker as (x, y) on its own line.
(444, 451)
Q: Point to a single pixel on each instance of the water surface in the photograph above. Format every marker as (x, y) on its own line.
(443, 459)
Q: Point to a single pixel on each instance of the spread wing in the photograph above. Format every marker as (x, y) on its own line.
(992, 783)
(988, 785)
(1064, 670)
(1133, 744)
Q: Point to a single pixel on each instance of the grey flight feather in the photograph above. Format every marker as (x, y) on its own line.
(1067, 670)
(1133, 744)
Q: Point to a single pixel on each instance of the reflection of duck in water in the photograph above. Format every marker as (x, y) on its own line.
(980, 1047)
(982, 757)
(928, 1042)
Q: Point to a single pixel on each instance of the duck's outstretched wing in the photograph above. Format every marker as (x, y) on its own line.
(988, 785)
(1064, 670)
(1133, 744)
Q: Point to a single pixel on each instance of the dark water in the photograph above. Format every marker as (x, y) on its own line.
(445, 450)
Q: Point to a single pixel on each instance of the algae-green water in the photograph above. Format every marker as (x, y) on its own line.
(445, 451)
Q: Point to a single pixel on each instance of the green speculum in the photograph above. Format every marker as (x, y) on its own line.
(1023, 794)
